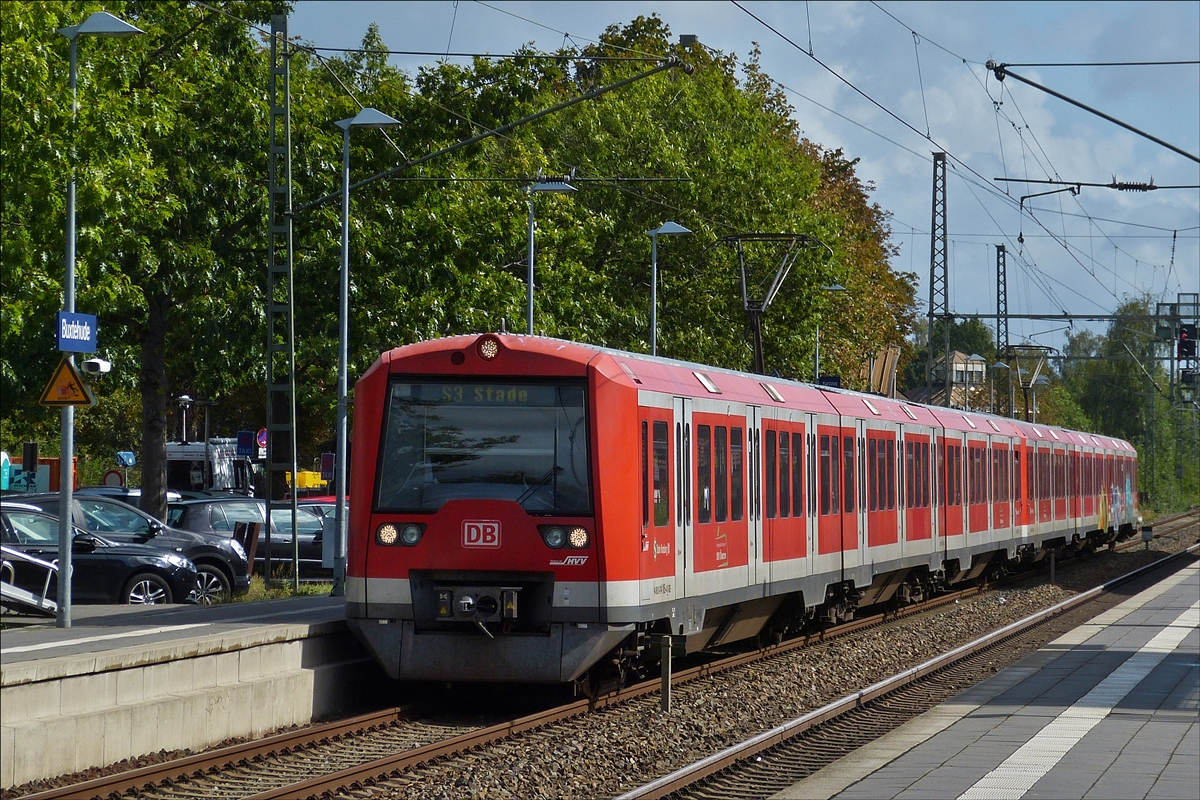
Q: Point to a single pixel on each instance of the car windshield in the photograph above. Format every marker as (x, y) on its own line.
(525, 442)
(106, 516)
(306, 522)
(33, 528)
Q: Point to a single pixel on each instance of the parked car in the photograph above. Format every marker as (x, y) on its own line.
(221, 561)
(103, 571)
(321, 506)
(122, 493)
(216, 515)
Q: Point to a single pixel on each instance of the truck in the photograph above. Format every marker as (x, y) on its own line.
(214, 466)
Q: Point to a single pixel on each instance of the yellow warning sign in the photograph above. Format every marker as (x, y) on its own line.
(67, 388)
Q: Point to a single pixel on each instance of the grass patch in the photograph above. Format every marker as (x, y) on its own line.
(281, 588)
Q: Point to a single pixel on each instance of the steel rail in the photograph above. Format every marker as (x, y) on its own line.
(136, 779)
(706, 767)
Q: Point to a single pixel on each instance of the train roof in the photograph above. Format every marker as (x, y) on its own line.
(538, 354)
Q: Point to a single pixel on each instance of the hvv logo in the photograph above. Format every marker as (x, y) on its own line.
(481, 533)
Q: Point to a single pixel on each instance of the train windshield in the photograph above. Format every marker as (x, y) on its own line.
(526, 442)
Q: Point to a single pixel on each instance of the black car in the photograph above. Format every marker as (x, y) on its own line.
(103, 571)
(218, 515)
(221, 561)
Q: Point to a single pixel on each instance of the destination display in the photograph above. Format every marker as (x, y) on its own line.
(488, 394)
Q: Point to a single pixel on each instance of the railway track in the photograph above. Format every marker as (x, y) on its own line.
(771, 761)
(350, 756)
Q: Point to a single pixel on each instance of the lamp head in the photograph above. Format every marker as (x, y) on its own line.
(101, 23)
(368, 118)
(552, 186)
(669, 229)
(833, 287)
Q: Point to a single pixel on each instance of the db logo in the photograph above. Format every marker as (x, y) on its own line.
(481, 533)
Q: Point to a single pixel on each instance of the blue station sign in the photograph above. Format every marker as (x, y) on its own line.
(76, 332)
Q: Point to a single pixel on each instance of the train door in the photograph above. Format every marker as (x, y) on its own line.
(683, 496)
(657, 565)
(1044, 488)
(1019, 490)
(827, 451)
(882, 529)
(1058, 462)
(811, 496)
(849, 470)
(862, 492)
(754, 517)
(1075, 504)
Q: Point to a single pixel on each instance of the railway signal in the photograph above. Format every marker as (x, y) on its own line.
(1187, 341)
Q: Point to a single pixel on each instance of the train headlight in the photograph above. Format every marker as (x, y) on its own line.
(489, 348)
(405, 533)
(554, 536)
(387, 533)
(578, 538)
(410, 534)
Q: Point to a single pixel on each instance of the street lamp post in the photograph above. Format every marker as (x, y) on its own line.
(834, 287)
(1041, 381)
(666, 229)
(540, 186)
(974, 358)
(367, 118)
(101, 23)
(992, 386)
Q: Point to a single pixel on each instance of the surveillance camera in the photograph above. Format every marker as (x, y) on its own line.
(96, 366)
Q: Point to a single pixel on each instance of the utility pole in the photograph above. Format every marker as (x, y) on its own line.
(281, 350)
(1002, 312)
(939, 304)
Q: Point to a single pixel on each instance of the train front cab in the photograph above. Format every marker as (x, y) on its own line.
(487, 446)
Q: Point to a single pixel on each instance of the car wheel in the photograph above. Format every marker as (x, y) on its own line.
(145, 589)
(213, 585)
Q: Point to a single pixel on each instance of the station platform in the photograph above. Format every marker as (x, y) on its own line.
(1109, 710)
(125, 681)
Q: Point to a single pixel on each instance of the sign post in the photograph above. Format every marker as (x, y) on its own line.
(76, 333)
(126, 459)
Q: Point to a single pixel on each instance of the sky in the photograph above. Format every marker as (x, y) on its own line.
(921, 67)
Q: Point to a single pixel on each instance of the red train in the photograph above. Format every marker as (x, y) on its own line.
(529, 509)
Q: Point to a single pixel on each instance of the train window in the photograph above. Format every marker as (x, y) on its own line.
(678, 474)
(662, 503)
(756, 462)
(995, 474)
(721, 459)
(798, 474)
(770, 474)
(825, 475)
(1017, 493)
(687, 473)
(524, 441)
(735, 474)
(891, 474)
(948, 476)
(969, 473)
(941, 471)
(908, 474)
(645, 473)
(848, 480)
(785, 480)
(925, 475)
(703, 473)
(872, 477)
(1006, 476)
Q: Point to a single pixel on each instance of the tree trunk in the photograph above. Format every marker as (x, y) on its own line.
(153, 384)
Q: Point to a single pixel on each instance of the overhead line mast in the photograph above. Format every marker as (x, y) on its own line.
(939, 303)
